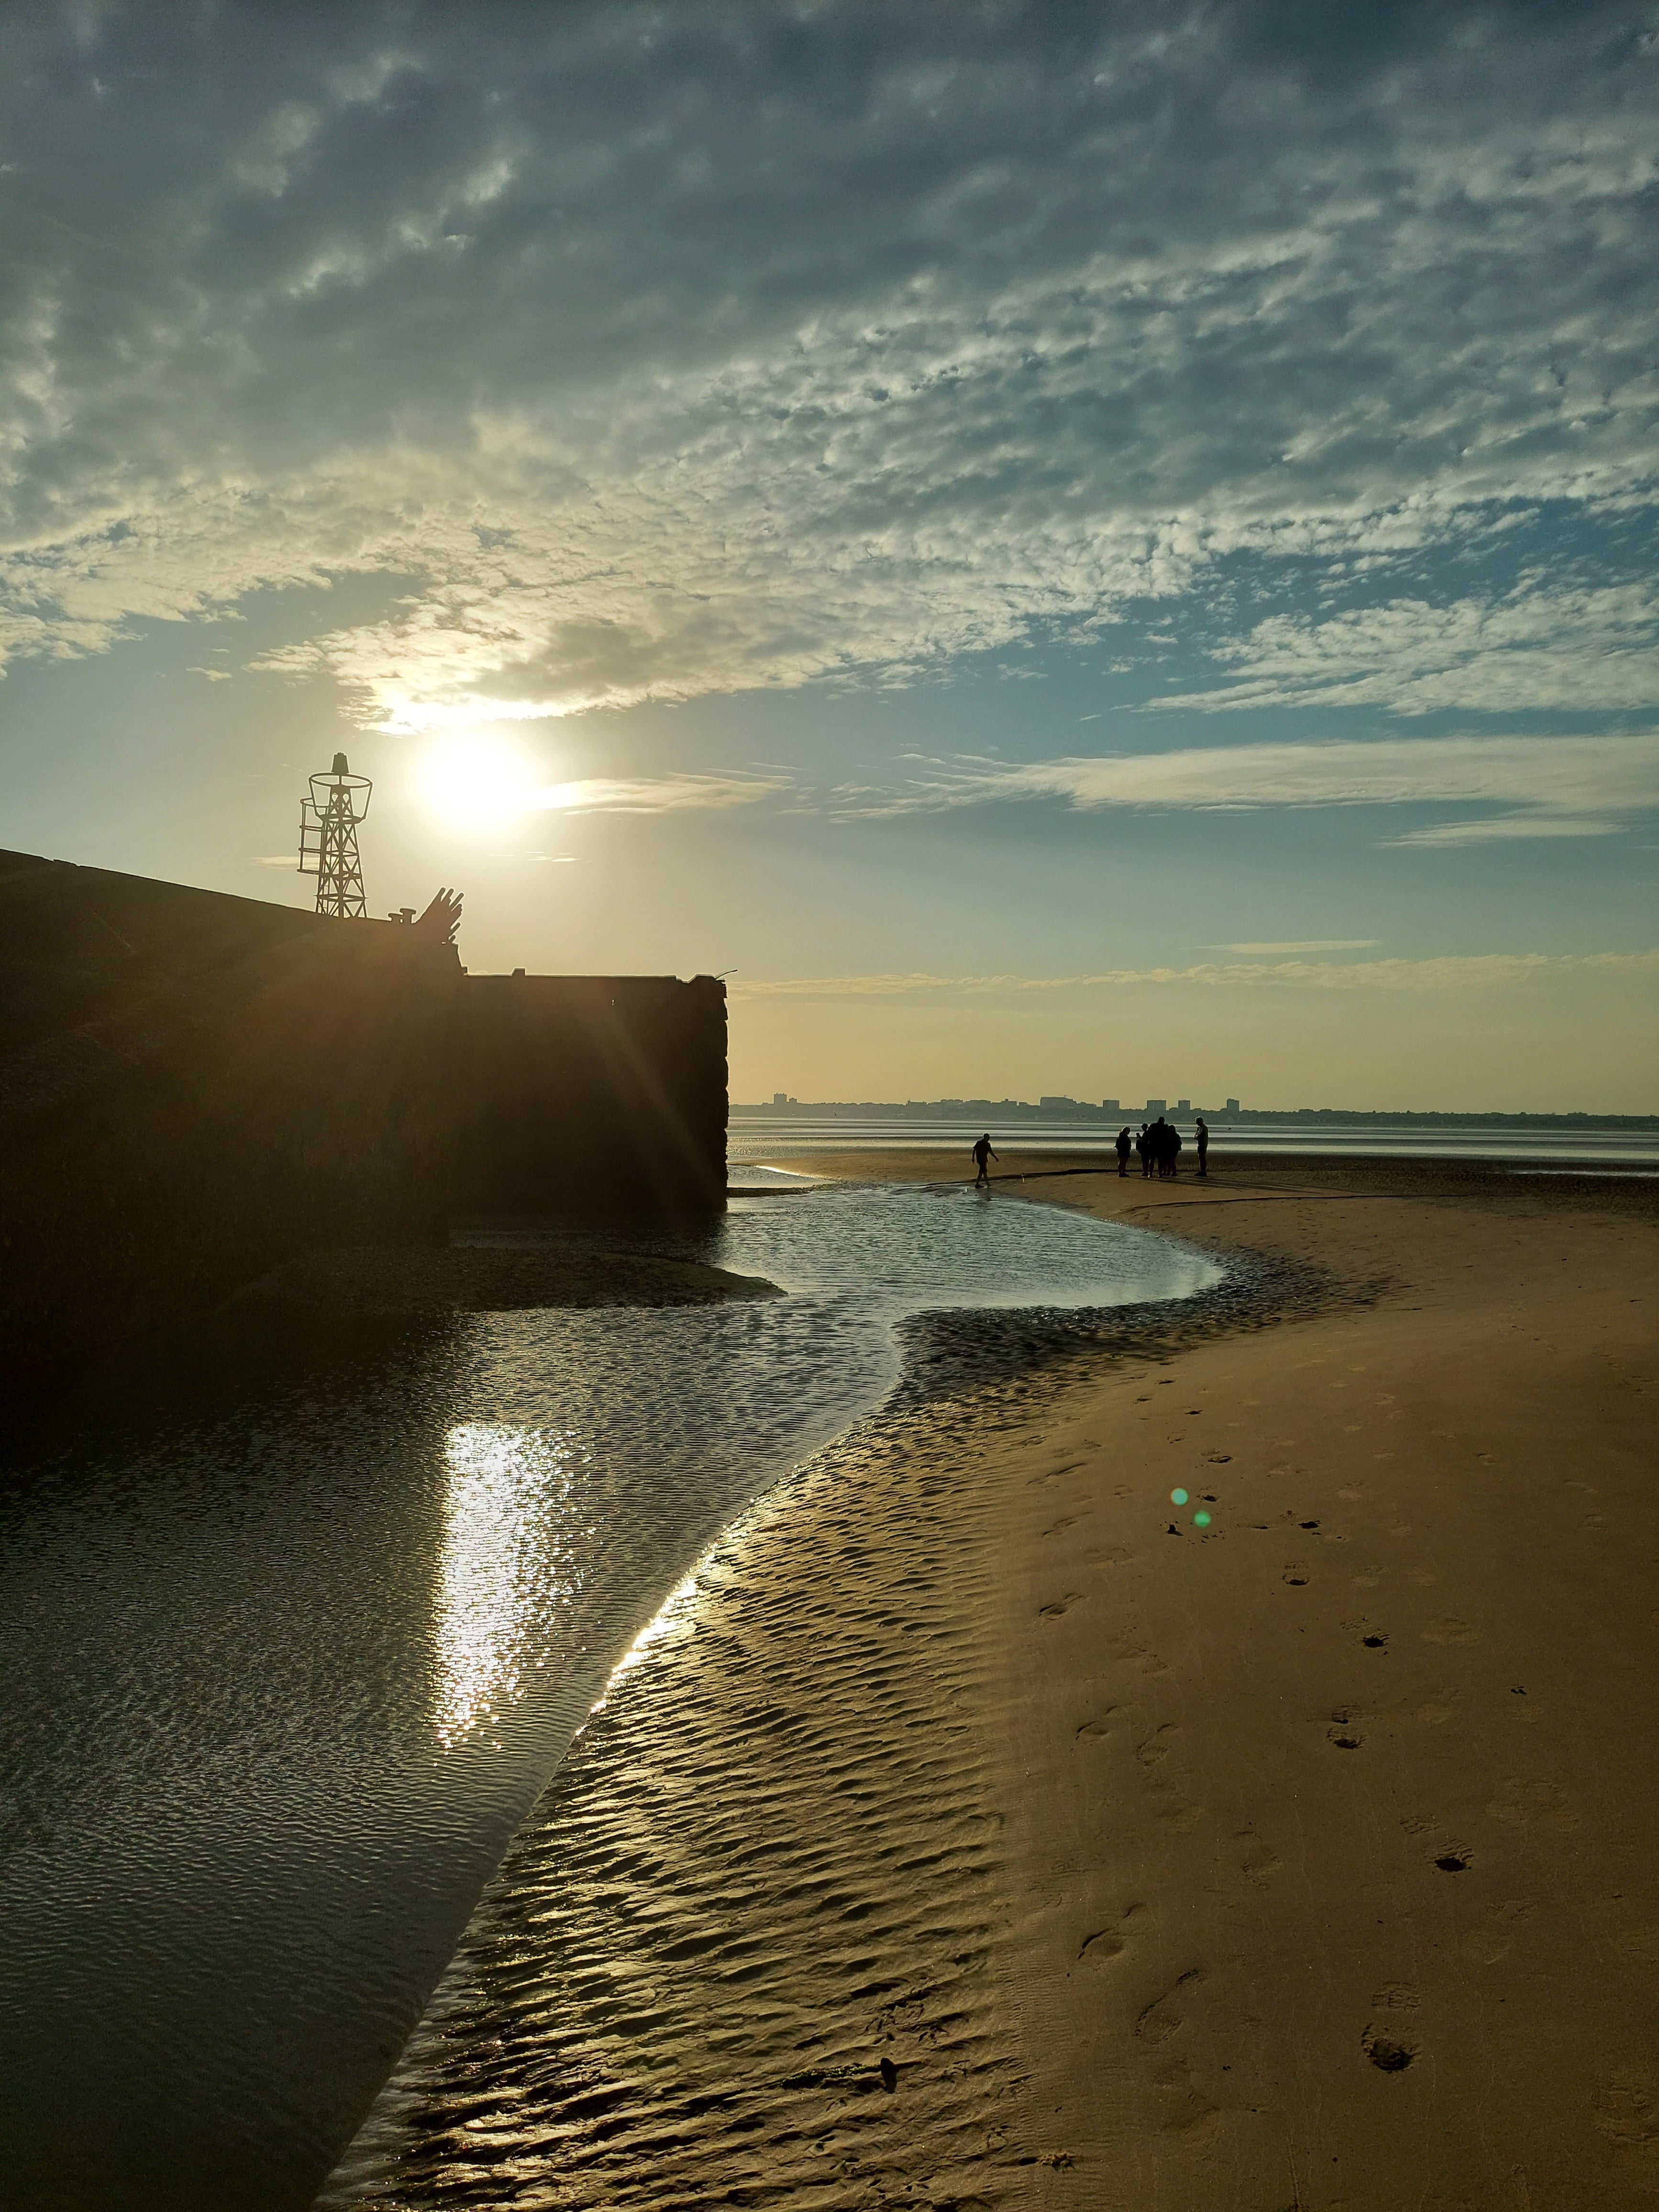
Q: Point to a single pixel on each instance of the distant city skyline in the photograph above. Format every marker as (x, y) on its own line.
(1116, 1109)
(1051, 544)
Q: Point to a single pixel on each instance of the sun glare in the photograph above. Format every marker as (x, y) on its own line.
(476, 782)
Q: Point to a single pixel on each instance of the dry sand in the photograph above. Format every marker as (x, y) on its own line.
(980, 1832)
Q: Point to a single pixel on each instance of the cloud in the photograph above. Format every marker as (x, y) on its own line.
(1572, 787)
(667, 794)
(1532, 650)
(1501, 827)
(657, 353)
(1497, 971)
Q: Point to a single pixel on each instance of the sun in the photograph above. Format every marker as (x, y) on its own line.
(474, 779)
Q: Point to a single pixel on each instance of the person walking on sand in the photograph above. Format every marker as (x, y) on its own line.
(1124, 1143)
(1201, 1130)
(982, 1153)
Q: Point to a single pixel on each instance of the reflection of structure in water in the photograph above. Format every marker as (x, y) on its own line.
(194, 1086)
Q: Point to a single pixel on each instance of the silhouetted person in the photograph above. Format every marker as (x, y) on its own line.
(1201, 1132)
(1171, 1148)
(982, 1153)
(1125, 1143)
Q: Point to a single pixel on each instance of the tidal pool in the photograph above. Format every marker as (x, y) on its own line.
(281, 1682)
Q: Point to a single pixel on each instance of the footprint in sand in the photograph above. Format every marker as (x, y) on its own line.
(1450, 1630)
(1390, 2054)
(1059, 1604)
(1396, 1996)
(1156, 1746)
(1091, 1731)
(1108, 1943)
(1256, 1858)
(1297, 1578)
(1163, 2018)
(1522, 1802)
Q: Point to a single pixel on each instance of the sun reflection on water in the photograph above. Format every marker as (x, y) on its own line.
(512, 1546)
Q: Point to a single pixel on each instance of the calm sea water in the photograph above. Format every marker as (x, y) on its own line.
(755, 1134)
(281, 1682)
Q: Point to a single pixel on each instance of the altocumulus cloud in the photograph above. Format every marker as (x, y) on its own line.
(655, 351)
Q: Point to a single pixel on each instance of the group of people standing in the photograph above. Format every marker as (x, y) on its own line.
(1159, 1145)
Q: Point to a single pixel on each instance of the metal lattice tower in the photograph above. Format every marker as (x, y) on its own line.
(328, 838)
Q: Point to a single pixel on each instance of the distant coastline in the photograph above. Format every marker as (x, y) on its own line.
(1221, 1117)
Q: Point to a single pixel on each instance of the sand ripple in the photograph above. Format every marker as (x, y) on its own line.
(744, 1950)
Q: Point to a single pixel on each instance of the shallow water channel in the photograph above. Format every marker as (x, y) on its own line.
(282, 1681)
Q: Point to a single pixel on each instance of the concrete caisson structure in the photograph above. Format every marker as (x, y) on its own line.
(592, 1095)
(194, 1087)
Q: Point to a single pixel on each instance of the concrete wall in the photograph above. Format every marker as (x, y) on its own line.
(597, 1095)
(194, 1087)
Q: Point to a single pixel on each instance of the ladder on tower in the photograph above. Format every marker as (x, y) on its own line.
(328, 838)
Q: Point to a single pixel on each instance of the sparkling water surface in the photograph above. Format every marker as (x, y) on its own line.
(281, 1682)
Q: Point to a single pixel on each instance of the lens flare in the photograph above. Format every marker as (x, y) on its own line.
(1177, 1497)
(1200, 1520)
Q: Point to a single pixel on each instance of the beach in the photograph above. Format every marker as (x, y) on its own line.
(977, 1828)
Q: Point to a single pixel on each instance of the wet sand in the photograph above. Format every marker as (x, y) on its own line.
(981, 1831)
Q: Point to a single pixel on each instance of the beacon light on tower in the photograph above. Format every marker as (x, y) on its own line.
(328, 838)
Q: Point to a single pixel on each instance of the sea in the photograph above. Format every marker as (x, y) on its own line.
(1572, 1142)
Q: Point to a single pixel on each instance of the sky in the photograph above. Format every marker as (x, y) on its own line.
(1094, 549)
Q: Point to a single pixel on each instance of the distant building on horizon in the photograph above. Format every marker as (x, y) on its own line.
(1183, 1105)
(1110, 1106)
(1233, 1106)
(1053, 1104)
(1156, 1105)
